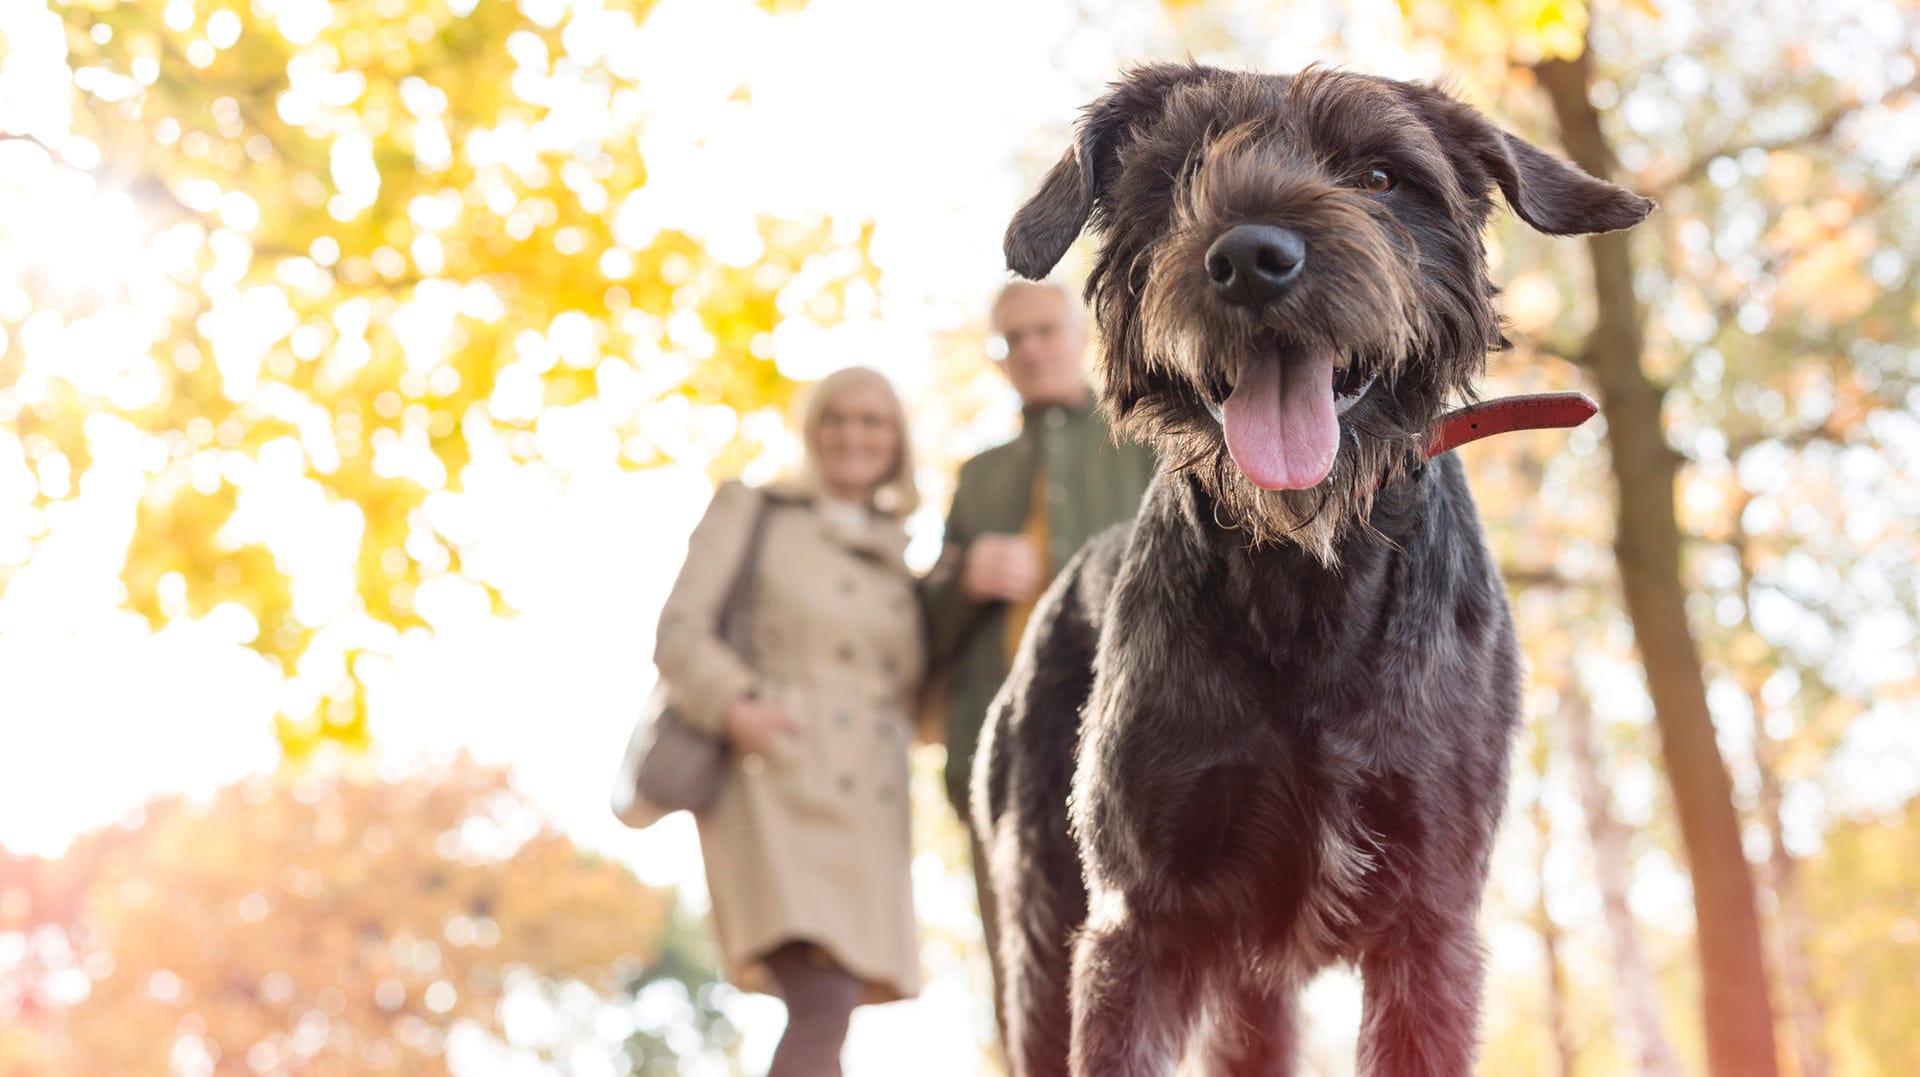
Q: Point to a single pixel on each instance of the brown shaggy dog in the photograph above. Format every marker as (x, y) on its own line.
(1265, 727)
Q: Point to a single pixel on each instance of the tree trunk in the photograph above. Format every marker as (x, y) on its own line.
(1563, 1051)
(1792, 932)
(1634, 985)
(1738, 1017)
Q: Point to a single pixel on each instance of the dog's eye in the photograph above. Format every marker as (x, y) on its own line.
(1377, 181)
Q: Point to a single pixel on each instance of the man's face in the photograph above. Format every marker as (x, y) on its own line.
(1046, 346)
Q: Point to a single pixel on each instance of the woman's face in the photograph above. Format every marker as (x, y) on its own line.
(858, 440)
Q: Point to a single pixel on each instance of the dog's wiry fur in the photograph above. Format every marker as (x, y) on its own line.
(1283, 717)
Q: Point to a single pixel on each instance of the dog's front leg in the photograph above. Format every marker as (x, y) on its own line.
(1134, 994)
(1421, 1005)
(1252, 1027)
(1022, 772)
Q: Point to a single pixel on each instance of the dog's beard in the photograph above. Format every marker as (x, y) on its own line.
(1317, 518)
(1195, 345)
(1380, 441)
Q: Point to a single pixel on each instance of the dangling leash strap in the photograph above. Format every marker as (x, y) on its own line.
(1534, 411)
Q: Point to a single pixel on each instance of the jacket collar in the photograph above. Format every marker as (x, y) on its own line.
(1034, 415)
(873, 534)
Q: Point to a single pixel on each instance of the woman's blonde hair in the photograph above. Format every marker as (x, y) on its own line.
(895, 494)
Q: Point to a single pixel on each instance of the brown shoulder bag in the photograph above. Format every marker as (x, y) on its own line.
(669, 765)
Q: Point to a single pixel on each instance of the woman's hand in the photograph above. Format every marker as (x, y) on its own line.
(752, 725)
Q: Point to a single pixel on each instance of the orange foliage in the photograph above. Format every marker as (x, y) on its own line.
(318, 926)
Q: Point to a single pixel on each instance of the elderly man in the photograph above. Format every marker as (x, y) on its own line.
(1020, 511)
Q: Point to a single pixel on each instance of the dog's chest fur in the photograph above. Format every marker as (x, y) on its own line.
(1260, 721)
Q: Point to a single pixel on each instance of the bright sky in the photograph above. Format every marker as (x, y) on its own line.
(928, 119)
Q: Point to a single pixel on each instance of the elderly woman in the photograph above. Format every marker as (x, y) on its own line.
(807, 847)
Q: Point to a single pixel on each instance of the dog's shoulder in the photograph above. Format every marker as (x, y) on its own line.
(1098, 564)
(1032, 723)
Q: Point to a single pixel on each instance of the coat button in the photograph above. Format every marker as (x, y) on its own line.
(842, 717)
(846, 783)
(886, 794)
(888, 666)
(846, 652)
(846, 585)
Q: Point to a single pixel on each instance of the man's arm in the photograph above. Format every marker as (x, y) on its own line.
(978, 569)
(950, 613)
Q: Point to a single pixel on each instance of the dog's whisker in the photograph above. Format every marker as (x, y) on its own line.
(1343, 404)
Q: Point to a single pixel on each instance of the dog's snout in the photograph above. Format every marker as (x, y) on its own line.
(1254, 264)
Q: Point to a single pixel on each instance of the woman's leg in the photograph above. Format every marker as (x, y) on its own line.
(820, 999)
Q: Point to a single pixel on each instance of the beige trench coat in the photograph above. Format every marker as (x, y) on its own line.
(808, 842)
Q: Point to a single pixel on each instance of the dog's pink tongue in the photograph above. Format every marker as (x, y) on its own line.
(1280, 424)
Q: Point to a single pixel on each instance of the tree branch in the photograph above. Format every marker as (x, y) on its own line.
(1543, 576)
(1822, 129)
(36, 140)
(151, 188)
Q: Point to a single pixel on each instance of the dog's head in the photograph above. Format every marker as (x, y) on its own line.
(1291, 283)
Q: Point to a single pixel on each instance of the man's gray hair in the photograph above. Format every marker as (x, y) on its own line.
(1076, 314)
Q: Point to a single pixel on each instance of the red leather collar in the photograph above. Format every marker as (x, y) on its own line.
(1534, 411)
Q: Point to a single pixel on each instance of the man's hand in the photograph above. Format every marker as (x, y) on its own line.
(1001, 568)
(752, 725)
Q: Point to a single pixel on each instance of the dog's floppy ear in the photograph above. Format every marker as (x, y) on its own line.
(1053, 218)
(1548, 193)
(1556, 197)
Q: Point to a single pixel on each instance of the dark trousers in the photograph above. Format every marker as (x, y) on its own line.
(820, 997)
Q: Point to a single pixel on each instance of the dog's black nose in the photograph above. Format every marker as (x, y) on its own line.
(1254, 264)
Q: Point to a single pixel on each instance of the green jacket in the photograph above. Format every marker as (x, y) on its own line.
(1091, 484)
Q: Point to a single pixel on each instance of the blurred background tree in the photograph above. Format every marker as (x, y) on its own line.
(345, 925)
(390, 238)
(338, 254)
(1739, 273)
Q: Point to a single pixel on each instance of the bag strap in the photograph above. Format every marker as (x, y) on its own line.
(734, 610)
